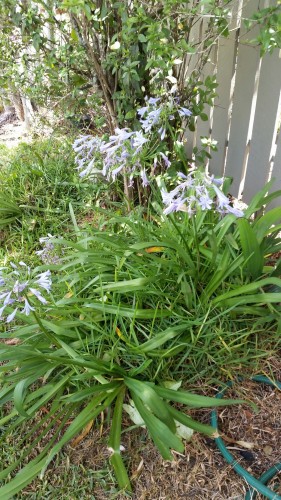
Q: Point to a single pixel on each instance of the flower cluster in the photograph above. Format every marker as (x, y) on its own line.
(152, 114)
(124, 152)
(198, 190)
(119, 154)
(17, 285)
(48, 254)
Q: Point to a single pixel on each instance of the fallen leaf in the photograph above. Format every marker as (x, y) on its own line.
(154, 249)
(83, 434)
(136, 473)
(268, 450)
(119, 333)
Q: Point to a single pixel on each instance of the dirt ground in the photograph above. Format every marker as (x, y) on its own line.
(201, 472)
(12, 133)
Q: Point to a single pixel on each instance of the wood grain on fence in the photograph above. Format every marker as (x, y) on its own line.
(245, 118)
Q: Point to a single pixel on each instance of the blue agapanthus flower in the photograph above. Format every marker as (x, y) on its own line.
(121, 154)
(198, 190)
(17, 286)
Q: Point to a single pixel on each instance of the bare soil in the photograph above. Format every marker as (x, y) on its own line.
(200, 472)
(12, 131)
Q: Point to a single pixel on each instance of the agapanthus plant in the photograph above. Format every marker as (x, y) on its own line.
(120, 154)
(49, 254)
(198, 190)
(17, 286)
(131, 153)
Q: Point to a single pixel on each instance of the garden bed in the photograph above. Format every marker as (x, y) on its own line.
(199, 472)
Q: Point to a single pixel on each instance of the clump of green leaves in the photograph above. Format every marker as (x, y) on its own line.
(137, 308)
(269, 22)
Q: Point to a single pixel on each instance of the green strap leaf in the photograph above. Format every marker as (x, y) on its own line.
(193, 400)
(151, 399)
(115, 443)
(251, 249)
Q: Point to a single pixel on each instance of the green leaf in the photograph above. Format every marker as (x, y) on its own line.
(142, 38)
(160, 338)
(246, 289)
(115, 444)
(259, 298)
(131, 114)
(86, 393)
(193, 400)
(266, 222)
(184, 419)
(204, 117)
(128, 312)
(74, 35)
(259, 200)
(19, 395)
(162, 436)
(251, 249)
(73, 218)
(125, 286)
(149, 397)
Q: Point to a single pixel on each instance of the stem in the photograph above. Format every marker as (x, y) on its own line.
(47, 334)
(196, 243)
(182, 237)
(128, 193)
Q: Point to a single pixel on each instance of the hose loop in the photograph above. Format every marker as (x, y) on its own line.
(257, 485)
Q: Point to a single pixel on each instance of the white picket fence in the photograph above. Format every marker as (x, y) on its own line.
(246, 116)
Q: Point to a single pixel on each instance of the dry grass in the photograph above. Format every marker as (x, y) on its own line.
(201, 472)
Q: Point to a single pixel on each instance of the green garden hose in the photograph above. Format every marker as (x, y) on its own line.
(256, 484)
(266, 476)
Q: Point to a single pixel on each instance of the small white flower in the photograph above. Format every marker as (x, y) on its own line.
(44, 280)
(13, 286)
(2, 310)
(223, 201)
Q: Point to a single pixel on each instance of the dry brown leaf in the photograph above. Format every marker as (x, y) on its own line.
(83, 434)
(136, 473)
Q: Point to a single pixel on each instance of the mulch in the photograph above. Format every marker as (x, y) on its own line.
(200, 472)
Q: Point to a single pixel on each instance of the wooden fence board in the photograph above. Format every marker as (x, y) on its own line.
(264, 125)
(226, 55)
(226, 72)
(276, 173)
(248, 59)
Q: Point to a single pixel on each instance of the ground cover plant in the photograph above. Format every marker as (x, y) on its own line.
(37, 184)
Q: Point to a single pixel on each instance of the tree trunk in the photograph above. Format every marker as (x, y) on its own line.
(28, 112)
(16, 100)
